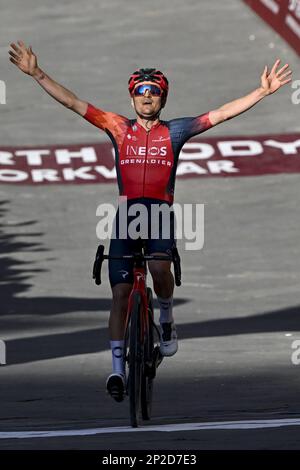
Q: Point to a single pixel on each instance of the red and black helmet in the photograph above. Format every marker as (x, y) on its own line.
(149, 75)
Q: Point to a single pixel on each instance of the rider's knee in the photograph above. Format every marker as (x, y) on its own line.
(121, 293)
(159, 271)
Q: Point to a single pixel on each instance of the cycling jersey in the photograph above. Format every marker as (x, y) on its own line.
(146, 161)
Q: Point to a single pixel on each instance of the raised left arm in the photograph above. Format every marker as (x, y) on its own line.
(270, 83)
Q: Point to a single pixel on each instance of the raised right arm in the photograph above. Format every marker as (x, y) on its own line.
(25, 59)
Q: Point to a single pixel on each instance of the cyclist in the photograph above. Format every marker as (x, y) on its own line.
(147, 151)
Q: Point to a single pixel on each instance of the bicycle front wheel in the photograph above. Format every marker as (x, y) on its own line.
(148, 366)
(135, 360)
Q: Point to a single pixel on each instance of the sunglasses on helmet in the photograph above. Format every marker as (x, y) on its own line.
(140, 90)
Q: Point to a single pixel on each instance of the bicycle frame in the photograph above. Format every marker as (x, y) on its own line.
(139, 285)
(139, 273)
(145, 357)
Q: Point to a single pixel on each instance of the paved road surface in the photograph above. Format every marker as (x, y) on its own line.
(238, 309)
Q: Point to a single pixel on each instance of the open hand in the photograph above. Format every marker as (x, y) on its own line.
(271, 82)
(23, 57)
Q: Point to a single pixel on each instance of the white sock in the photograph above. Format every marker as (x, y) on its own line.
(117, 356)
(166, 309)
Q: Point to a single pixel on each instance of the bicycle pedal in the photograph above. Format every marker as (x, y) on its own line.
(158, 357)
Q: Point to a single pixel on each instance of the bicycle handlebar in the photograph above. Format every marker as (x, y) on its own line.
(98, 264)
(100, 257)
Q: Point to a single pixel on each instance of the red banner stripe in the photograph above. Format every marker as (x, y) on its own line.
(94, 163)
(283, 16)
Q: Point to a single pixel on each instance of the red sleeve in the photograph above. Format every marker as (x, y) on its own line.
(199, 124)
(187, 127)
(113, 124)
(98, 117)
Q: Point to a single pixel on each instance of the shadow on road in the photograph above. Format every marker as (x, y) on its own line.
(95, 340)
(15, 276)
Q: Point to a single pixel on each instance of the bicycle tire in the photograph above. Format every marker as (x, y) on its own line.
(147, 369)
(135, 360)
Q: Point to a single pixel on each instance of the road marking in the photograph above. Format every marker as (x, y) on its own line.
(272, 5)
(219, 425)
(292, 23)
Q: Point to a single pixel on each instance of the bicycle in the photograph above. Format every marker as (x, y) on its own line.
(141, 339)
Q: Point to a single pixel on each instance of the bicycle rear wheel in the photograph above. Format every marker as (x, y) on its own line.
(135, 360)
(148, 363)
